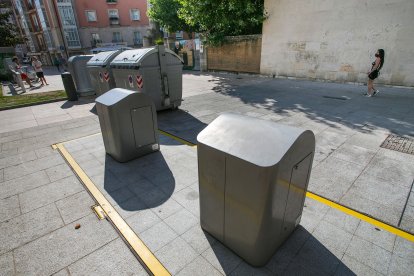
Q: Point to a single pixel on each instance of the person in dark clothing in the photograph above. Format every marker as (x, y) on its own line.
(374, 72)
(56, 62)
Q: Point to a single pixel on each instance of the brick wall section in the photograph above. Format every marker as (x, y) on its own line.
(239, 54)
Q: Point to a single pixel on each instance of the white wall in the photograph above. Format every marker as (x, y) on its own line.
(336, 40)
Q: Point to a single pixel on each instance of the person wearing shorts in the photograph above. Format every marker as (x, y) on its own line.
(374, 72)
(18, 68)
(37, 65)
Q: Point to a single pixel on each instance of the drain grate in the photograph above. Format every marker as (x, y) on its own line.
(398, 143)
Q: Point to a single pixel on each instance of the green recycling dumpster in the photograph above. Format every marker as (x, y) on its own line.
(253, 178)
(154, 71)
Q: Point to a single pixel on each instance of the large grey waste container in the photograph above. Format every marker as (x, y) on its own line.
(100, 72)
(128, 122)
(253, 176)
(154, 71)
(69, 86)
(77, 68)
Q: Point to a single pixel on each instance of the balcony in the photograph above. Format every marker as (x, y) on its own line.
(114, 20)
(94, 42)
(112, 1)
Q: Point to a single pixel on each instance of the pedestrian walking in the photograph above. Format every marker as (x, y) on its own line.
(18, 68)
(37, 65)
(56, 63)
(374, 72)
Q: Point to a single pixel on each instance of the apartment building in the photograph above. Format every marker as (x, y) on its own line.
(112, 22)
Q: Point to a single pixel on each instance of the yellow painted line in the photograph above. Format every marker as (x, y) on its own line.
(363, 217)
(346, 210)
(146, 257)
(185, 142)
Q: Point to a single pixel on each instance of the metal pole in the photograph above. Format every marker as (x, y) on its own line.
(60, 28)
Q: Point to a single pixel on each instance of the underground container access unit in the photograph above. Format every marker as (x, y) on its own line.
(77, 68)
(100, 72)
(154, 71)
(253, 177)
(128, 123)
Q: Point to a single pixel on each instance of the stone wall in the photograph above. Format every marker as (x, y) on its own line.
(336, 40)
(239, 54)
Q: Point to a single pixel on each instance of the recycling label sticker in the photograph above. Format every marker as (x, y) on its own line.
(130, 81)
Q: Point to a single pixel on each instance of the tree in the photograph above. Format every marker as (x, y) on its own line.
(165, 12)
(218, 18)
(8, 31)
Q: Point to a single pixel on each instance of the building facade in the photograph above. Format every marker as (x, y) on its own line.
(106, 22)
(336, 40)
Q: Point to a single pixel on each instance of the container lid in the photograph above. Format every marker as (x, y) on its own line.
(257, 141)
(80, 57)
(113, 96)
(133, 57)
(102, 58)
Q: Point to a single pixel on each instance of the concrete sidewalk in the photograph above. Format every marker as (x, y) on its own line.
(41, 199)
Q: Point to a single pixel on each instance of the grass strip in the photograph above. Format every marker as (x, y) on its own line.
(7, 102)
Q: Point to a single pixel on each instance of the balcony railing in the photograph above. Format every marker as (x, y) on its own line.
(114, 20)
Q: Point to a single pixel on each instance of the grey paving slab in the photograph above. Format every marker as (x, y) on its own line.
(142, 220)
(49, 193)
(198, 239)
(367, 140)
(7, 264)
(75, 207)
(181, 221)
(222, 258)
(199, 267)
(342, 220)
(32, 166)
(7, 153)
(355, 154)
(246, 269)
(25, 228)
(55, 251)
(22, 184)
(63, 272)
(351, 266)
(45, 151)
(376, 236)
(18, 143)
(130, 207)
(401, 266)
(158, 236)
(1, 175)
(113, 258)
(313, 213)
(58, 172)
(9, 208)
(189, 198)
(333, 238)
(369, 254)
(176, 255)
(404, 248)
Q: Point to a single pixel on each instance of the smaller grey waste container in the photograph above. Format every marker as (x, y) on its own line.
(154, 71)
(128, 122)
(100, 72)
(69, 86)
(77, 68)
(253, 177)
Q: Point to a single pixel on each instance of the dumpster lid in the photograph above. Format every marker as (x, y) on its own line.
(80, 57)
(134, 56)
(113, 96)
(254, 140)
(102, 58)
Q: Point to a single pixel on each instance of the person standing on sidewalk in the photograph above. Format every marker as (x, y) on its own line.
(37, 65)
(374, 72)
(18, 68)
(56, 63)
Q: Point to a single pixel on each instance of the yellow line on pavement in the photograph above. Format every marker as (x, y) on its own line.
(145, 256)
(183, 141)
(363, 217)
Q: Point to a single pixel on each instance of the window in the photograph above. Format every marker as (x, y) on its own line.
(91, 16)
(111, 1)
(72, 37)
(137, 38)
(95, 36)
(113, 13)
(135, 14)
(116, 37)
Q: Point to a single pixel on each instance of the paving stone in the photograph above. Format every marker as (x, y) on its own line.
(53, 252)
(369, 141)
(336, 240)
(18, 143)
(7, 264)
(355, 154)
(158, 236)
(9, 208)
(119, 196)
(244, 269)
(63, 272)
(376, 236)
(142, 220)
(176, 255)
(49, 193)
(181, 221)
(45, 151)
(199, 267)
(351, 266)
(369, 254)
(167, 208)
(1, 175)
(404, 248)
(32, 166)
(17, 159)
(224, 260)
(410, 201)
(58, 172)
(10, 138)
(7, 153)
(115, 258)
(189, 198)
(198, 239)
(75, 207)
(22, 184)
(333, 185)
(342, 220)
(407, 224)
(25, 228)
(401, 266)
(130, 207)
(313, 213)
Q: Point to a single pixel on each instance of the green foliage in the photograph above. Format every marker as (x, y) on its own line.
(165, 13)
(217, 18)
(8, 31)
(159, 41)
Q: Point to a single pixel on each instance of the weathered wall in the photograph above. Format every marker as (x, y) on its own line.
(336, 40)
(240, 54)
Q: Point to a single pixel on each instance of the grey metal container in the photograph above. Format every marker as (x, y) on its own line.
(253, 177)
(77, 68)
(69, 86)
(128, 122)
(154, 71)
(100, 72)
